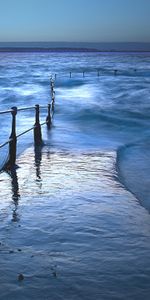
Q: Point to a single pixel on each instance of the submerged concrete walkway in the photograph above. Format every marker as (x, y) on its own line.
(68, 229)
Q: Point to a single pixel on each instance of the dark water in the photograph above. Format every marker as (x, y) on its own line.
(131, 46)
(75, 214)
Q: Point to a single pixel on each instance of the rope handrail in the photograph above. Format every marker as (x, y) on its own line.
(6, 143)
(5, 111)
(21, 109)
(30, 108)
(26, 131)
(12, 141)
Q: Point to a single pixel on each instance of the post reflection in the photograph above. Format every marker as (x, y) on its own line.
(15, 193)
(38, 159)
(15, 185)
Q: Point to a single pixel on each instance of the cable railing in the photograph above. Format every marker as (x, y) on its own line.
(100, 72)
(12, 141)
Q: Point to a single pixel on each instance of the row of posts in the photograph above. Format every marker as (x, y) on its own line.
(37, 127)
(98, 73)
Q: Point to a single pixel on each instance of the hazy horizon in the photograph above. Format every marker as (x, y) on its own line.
(101, 46)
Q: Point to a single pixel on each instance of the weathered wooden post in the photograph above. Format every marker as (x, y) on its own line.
(55, 76)
(70, 75)
(37, 126)
(48, 119)
(53, 96)
(52, 87)
(52, 84)
(13, 140)
(53, 106)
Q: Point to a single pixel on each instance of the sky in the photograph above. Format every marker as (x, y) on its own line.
(75, 20)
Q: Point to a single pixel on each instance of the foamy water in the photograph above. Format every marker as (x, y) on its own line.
(75, 214)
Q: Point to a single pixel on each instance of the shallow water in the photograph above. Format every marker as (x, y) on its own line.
(75, 214)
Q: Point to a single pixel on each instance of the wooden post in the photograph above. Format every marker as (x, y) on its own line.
(52, 83)
(53, 96)
(70, 75)
(48, 119)
(37, 127)
(52, 91)
(53, 106)
(98, 73)
(52, 87)
(83, 74)
(13, 140)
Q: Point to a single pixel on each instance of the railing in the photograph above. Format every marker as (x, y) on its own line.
(98, 72)
(12, 141)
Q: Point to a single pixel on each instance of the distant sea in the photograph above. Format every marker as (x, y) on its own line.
(75, 46)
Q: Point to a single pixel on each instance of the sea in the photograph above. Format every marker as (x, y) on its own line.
(74, 213)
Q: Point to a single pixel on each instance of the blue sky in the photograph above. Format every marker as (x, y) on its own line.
(75, 20)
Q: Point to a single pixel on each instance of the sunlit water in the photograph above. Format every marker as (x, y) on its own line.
(75, 213)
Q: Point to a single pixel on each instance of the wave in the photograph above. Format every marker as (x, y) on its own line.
(133, 168)
(130, 121)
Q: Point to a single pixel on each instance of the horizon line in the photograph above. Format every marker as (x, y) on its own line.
(83, 42)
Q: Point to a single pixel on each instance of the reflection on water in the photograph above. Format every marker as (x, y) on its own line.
(38, 158)
(11, 187)
(15, 193)
(74, 226)
(54, 173)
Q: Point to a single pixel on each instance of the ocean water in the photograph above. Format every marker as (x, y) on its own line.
(74, 215)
